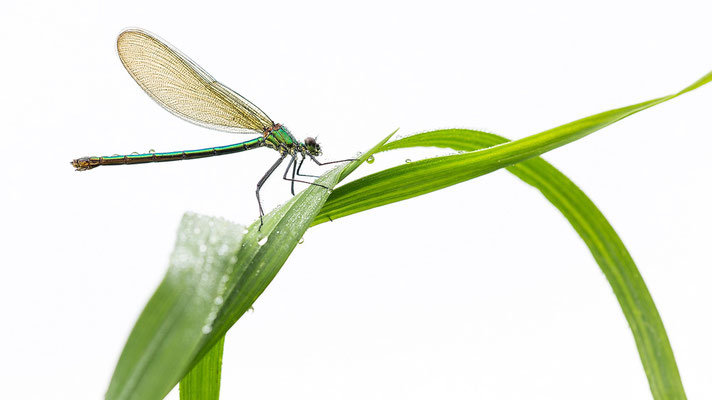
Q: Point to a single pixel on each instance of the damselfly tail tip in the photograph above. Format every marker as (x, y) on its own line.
(84, 163)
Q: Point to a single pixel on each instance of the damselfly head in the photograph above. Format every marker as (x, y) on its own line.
(85, 163)
(312, 146)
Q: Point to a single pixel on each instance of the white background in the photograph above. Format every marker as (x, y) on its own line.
(482, 290)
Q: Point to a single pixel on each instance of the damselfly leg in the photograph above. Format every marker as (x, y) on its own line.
(262, 182)
(293, 161)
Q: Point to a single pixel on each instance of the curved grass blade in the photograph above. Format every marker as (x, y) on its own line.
(203, 381)
(606, 247)
(420, 177)
(217, 270)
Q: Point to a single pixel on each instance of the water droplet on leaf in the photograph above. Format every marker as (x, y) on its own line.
(370, 159)
(223, 249)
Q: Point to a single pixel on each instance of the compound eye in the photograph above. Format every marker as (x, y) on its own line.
(310, 141)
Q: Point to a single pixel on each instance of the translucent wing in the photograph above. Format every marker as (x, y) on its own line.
(180, 86)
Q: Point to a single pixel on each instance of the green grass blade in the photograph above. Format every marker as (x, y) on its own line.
(283, 228)
(203, 381)
(173, 322)
(606, 247)
(217, 270)
(417, 178)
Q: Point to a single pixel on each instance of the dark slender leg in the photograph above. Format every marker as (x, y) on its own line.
(262, 182)
(300, 168)
(297, 180)
(330, 162)
(294, 171)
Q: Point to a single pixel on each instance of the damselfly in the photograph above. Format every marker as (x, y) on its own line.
(183, 88)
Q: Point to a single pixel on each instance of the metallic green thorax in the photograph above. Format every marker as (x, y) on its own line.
(280, 139)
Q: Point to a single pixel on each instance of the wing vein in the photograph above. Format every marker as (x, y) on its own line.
(183, 88)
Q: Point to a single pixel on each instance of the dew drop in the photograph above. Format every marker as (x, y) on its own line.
(218, 300)
(301, 240)
(370, 159)
(263, 240)
(223, 249)
(151, 150)
(206, 329)
(407, 160)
